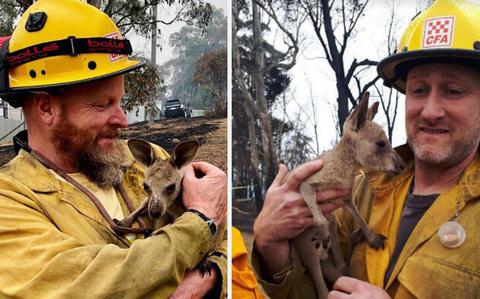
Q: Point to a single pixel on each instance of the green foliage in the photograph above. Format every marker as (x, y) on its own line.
(190, 43)
(211, 74)
(142, 87)
(135, 15)
(128, 15)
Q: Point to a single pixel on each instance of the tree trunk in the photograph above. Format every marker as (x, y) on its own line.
(247, 104)
(266, 135)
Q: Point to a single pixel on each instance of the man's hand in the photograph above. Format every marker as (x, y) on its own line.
(348, 287)
(286, 215)
(194, 285)
(208, 193)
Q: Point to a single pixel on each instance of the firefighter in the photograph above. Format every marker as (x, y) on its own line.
(430, 213)
(64, 65)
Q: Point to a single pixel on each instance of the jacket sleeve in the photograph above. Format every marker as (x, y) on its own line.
(39, 261)
(219, 259)
(290, 283)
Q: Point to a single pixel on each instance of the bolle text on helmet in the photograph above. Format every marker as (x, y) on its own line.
(107, 44)
(32, 53)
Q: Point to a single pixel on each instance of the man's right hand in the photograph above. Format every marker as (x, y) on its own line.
(285, 215)
(208, 193)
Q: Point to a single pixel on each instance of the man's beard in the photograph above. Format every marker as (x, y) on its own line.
(102, 168)
(450, 155)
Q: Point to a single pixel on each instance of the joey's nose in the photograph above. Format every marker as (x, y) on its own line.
(399, 165)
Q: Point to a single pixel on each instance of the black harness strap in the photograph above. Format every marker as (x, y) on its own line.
(70, 46)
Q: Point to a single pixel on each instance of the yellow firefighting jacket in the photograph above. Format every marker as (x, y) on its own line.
(55, 244)
(425, 268)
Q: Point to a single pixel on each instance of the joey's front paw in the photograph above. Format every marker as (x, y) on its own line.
(120, 222)
(205, 266)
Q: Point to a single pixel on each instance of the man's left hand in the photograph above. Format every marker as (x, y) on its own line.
(348, 287)
(194, 285)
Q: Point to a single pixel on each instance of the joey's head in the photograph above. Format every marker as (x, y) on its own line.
(163, 178)
(371, 147)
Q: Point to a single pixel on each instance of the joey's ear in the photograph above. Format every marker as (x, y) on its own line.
(142, 151)
(372, 111)
(183, 153)
(359, 115)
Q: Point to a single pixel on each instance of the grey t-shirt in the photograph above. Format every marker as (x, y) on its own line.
(415, 207)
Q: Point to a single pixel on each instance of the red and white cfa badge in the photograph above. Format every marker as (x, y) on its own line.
(114, 57)
(438, 32)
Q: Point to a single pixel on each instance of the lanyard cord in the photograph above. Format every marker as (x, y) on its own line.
(116, 228)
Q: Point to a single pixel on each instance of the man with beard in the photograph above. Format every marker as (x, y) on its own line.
(72, 176)
(430, 213)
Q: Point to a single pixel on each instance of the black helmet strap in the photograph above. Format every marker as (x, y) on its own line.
(70, 46)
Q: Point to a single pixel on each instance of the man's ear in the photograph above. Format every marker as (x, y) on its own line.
(47, 107)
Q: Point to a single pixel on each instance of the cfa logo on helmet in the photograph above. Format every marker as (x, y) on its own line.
(438, 32)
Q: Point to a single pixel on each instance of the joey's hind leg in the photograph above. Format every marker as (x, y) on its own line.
(335, 249)
(310, 257)
(322, 234)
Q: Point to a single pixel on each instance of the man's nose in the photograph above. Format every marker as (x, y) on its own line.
(433, 108)
(118, 118)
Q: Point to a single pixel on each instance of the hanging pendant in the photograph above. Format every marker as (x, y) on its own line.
(451, 234)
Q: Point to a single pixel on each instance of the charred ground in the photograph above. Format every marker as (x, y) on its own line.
(210, 133)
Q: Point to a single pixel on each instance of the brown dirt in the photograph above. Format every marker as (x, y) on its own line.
(210, 133)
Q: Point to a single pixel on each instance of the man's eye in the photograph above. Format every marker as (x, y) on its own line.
(103, 105)
(418, 91)
(454, 92)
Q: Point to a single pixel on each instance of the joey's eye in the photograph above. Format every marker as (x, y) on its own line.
(380, 144)
(146, 188)
(170, 188)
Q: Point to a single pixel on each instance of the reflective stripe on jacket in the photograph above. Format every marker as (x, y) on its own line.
(55, 244)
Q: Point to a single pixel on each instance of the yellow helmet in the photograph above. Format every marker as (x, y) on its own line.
(446, 32)
(59, 43)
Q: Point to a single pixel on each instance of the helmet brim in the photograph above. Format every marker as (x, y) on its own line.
(16, 95)
(393, 69)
